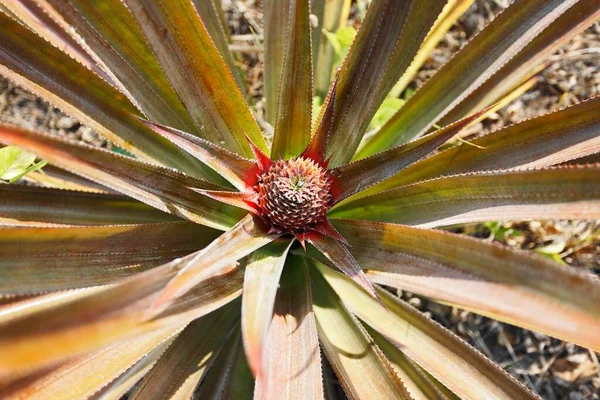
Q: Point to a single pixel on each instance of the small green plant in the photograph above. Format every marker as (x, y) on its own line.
(233, 267)
(16, 163)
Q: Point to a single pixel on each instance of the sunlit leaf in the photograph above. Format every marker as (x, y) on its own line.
(162, 188)
(244, 238)
(38, 66)
(460, 367)
(80, 378)
(197, 72)
(42, 259)
(386, 43)
(357, 176)
(292, 120)
(359, 364)
(66, 328)
(30, 203)
(509, 285)
(261, 281)
(293, 362)
(547, 140)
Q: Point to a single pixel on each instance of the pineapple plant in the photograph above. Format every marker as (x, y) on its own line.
(216, 261)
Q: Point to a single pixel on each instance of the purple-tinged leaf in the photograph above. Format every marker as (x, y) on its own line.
(452, 361)
(197, 72)
(261, 281)
(245, 237)
(556, 193)
(293, 359)
(360, 366)
(341, 258)
(58, 206)
(551, 139)
(388, 39)
(162, 188)
(357, 176)
(509, 285)
(42, 259)
(483, 56)
(294, 95)
(238, 171)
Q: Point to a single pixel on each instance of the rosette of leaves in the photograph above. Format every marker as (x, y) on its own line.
(210, 264)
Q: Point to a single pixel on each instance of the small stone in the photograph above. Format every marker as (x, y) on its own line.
(65, 123)
(87, 135)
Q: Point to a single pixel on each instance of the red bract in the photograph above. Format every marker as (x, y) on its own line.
(193, 280)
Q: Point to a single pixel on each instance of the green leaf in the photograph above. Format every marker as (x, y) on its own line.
(484, 55)
(293, 358)
(386, 43)
(574, 21)
(14, 163)
(513, 286)
(551, 139)
(557, 193)
(179, 370)
(294, 96)
(36, 65)
(334, 16)
(360, 366)
(453, 362)
(162, 188)
(197, 72)
(261, 281)
(42, 259)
